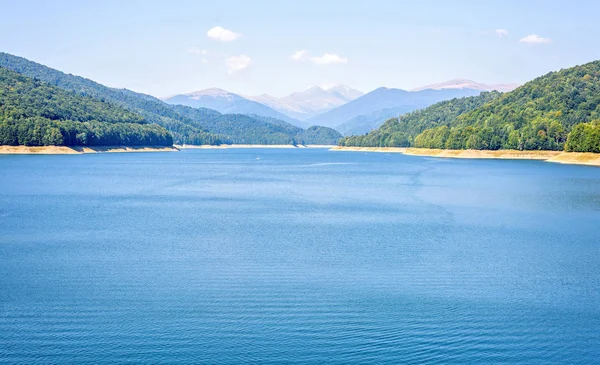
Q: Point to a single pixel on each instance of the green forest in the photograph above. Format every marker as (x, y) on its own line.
(33, 113)
(557, 111)
(401, 132)
(195, 126)
(318, 135)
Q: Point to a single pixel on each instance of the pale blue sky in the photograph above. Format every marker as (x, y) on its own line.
(145, 45)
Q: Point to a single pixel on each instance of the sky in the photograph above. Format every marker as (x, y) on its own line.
(277, 47)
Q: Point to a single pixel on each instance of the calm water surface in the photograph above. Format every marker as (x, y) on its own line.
(297, 256)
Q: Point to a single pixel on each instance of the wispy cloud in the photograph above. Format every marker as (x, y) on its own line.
(237, 63)
(196, 50)
(329, 59)
(535, 39)
(300, 55)
(203, 52)
(221, 34)
(501, 32)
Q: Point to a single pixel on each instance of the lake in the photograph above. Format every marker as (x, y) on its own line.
(297, 256)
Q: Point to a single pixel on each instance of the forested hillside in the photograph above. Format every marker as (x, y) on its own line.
(319, 135)
(401, 132)
(33, 113)
(560, 110)
(372, 103)
(152, 109)
(187, 125)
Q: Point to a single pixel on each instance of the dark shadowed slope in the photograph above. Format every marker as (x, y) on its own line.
(34, 113)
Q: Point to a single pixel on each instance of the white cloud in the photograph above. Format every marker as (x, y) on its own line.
(196, 50)
(300, 55)
(237, 63)
(328, 59)
(535, 39)
(501, 32)
(221, 34)
(204, 53)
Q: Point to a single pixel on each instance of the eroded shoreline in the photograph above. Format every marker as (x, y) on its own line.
(76, 150)
(576, 158)
(222, 146)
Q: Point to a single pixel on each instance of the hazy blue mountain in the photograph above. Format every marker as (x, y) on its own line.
(468, 84)
(275, 103)
(227, 103)
(308, 103)
(345, 92)
(363, 124)
(386, 98)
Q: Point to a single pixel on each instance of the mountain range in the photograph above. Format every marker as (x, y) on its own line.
(557, 111)
(218, 116)
(560, 110)
(228, 103)
(294, 108)
(311, 102)
(372, 109)
(348, 110)
(80, 109)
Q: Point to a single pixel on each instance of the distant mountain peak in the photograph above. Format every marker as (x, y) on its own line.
(315, 87)
(467, 84)
(311, 101)
(384, 102)
(296, 106)
(328, 87)
(227, 102)
(345, 91)
(213, 91)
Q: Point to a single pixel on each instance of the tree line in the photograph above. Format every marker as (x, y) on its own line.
(557, 111)
(186, 125)
(33, 113)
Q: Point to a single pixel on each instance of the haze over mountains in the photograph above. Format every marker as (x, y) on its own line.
(227, 103)
(214, 116)
(468, 84)
(293, 108)
(133, 118)
(311, 102)
(42, 106)
(348, 110)
(558, 111)
(371, 110)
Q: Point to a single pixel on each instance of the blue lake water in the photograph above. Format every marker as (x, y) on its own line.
(297, 256)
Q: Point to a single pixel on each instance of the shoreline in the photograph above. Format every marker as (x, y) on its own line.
(77, 150)
(575, 158)
(223, 146)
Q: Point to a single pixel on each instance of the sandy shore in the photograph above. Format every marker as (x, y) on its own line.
(254, 146)
(579, 158)
(64, 150)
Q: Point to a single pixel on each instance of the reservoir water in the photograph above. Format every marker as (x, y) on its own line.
(297, 256)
